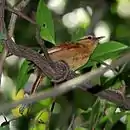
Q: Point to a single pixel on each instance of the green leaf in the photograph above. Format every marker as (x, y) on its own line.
(23, 75)
(82, 102)
(94, 114)
(44, 19)
(107, 48)
(114, 119)
(62, 112)
(41, 105)
(80, 128)
(46, 102)
(128, 121)
(5, 128)
(105, 51)
(43, 116)
(1, 47)
(110, 82)
(2, 36)
(111, 117)
(38, 126)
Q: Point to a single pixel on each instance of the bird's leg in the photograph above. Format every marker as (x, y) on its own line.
(35, 85)
(38, 80)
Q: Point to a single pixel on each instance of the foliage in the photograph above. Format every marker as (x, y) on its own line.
(89, 111)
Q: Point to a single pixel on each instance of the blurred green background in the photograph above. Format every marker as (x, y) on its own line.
(111, 20)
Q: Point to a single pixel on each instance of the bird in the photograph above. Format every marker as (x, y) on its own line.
(75, 54)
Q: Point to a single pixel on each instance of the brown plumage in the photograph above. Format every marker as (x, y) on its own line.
(75, 54)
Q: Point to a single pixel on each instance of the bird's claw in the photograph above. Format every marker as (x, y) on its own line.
(62, 71)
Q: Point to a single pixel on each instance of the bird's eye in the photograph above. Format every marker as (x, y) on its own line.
(90, 37)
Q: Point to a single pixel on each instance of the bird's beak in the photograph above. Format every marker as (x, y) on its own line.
(99, 38)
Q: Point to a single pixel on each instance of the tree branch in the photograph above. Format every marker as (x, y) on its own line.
(75, 83)
(20, 14)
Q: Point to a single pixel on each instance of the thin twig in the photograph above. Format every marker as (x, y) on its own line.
(13, 18)
(4, 53)
(71, 123)
(19, 13)
(72, 84)
(2, 4)
(41, 43)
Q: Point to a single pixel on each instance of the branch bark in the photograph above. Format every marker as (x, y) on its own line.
(75, 83)
(2, 27)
